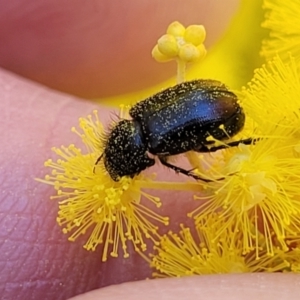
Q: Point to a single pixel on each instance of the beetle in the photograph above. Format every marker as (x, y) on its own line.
(173, 121)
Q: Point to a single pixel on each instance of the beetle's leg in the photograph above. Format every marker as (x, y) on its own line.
(189, 173)
(204, 148)
(98, 159)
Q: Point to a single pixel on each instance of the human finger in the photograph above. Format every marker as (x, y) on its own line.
(101, 48)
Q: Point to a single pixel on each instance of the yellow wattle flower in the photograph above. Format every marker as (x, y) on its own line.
(282, 19)
(91, 203)
(186, 254)
(272, 96)
(260, 192)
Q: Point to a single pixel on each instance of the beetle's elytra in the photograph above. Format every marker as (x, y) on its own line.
(174, 121)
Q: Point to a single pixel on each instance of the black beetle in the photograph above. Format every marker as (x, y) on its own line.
(174, 121)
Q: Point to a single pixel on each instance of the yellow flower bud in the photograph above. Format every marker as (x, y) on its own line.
(202, 51)
(195, 34)
(189, 53)
(158, 56)
(176, 29)
(167, 45)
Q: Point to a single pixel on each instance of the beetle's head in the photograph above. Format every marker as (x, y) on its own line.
(125, 152)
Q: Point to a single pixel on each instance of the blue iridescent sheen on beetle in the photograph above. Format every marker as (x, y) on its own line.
(173, 121)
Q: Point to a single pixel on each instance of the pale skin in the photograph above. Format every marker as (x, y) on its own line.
(36, 258)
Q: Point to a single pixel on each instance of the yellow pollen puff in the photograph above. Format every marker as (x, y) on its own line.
(297, 150)
(184, 254)
(91, 204)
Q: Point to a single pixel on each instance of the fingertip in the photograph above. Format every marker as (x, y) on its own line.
(227, 286)
(36, 258)
(103, 48)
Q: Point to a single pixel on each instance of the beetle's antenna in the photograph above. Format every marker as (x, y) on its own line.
(97, 161)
